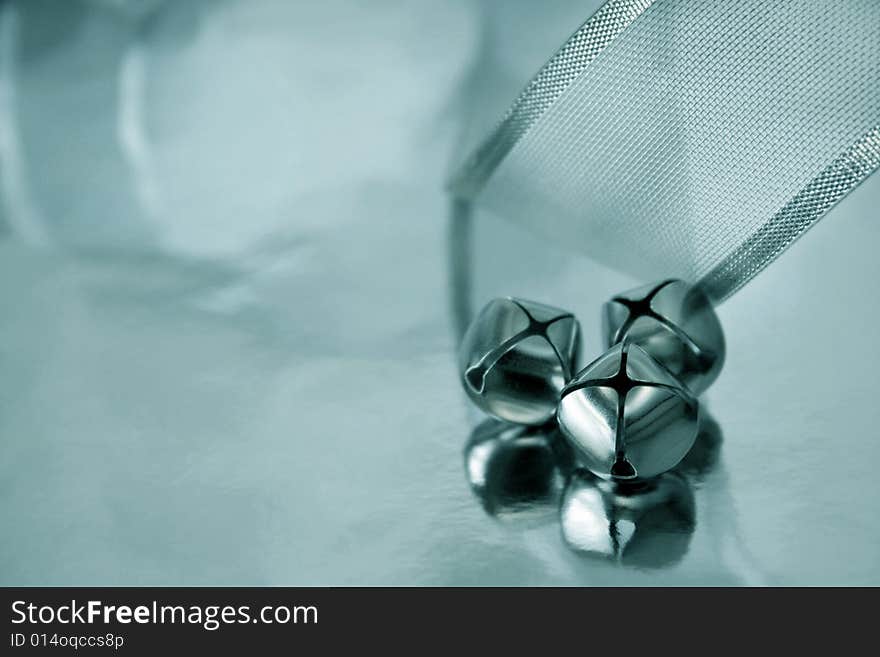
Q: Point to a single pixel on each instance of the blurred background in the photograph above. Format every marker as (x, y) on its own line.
(231, 286)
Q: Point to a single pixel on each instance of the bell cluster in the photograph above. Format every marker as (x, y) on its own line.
(631, 414)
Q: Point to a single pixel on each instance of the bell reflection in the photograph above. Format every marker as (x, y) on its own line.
(645, 525)
(517, 472)
(528, 475)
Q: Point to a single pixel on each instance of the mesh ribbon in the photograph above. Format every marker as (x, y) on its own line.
(695, 139)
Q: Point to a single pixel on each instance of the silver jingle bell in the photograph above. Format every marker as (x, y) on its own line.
(627, 417)
(517, 472)
(647, 526)
(516, 357)
(676, 324)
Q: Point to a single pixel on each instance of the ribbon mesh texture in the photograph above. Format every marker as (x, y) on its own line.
(694, 139)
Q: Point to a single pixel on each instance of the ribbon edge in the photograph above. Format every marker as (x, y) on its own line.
(795, 218)
(578, 51)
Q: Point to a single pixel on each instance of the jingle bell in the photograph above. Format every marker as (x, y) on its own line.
(676, 324)
(516, 357)
(626, 417)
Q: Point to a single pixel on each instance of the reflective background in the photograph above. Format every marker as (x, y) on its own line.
(232, 288)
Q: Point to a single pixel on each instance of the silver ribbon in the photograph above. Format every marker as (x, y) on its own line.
(689, 139)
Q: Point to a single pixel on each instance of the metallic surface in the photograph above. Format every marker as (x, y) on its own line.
(290, 411)
(626, 417)
(516, 357)
(676, 324)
